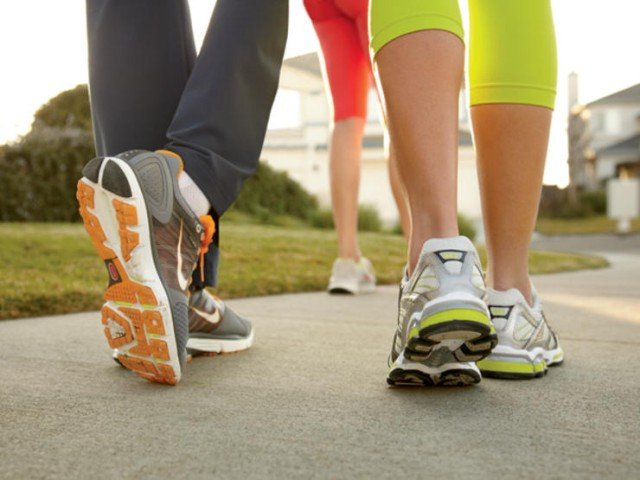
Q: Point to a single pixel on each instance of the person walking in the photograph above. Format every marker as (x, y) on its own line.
(448, 319)
(342, 29)
(176, 134)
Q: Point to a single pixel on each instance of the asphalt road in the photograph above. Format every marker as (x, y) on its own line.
(309, 400)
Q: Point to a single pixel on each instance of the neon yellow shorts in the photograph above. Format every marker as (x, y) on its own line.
(512, 46)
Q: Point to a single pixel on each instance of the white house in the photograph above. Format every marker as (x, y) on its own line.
(607, 144)
(302, 151)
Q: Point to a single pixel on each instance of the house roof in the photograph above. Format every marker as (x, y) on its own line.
(626, 146)
(628, 95)
(309, 62)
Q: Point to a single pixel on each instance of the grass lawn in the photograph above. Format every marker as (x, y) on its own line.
(48, 269)
(576, 226)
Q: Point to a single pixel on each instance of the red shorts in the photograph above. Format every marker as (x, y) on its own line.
(342, 28)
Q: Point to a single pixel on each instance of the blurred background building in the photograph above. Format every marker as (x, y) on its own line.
(604, 137)
(604, 150)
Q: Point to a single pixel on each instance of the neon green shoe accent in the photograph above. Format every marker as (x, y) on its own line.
(558, 356)
(451, 255)
(502, 366)
(464, 314)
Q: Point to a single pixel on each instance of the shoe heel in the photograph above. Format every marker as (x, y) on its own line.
(467, 332)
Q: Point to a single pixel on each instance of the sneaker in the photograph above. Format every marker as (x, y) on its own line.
(150, 241)
(526, 344)
(215, 328)
(443, 322)
(351, 277)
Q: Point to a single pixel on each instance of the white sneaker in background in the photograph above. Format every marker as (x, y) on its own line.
(351, 277)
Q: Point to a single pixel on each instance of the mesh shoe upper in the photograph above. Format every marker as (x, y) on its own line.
(209, 316)
(518, 324)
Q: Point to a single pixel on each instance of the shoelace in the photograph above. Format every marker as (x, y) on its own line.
(205, 239)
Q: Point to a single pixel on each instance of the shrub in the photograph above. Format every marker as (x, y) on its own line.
(270, 193)
(396, 229)
(466, 227)
(595, 202)
(69, 109)
(38, 176)
(322, 218)
(555, 203)
(368, 219)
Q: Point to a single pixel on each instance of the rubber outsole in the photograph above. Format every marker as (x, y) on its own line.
(340, 291)
(199, 345)
(448, 378)
(200, 353)
(503, 370)
(467, 333)
(135, 322)
(119, 363)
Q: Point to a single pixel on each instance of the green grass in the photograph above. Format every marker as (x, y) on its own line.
(577, 226)
(48, 269)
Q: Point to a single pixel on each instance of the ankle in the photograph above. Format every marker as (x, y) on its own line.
(350, 253)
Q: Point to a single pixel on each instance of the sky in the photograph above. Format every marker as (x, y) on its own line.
(43, 51)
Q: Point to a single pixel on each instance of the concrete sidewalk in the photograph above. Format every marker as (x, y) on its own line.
(310, 399)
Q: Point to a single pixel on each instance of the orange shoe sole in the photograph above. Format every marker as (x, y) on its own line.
(132, 317)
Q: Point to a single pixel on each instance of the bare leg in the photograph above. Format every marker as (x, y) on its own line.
(399, 194)
(344, 173)
(420, 75)
(511, 144)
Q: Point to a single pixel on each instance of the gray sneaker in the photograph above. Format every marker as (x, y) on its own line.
(351, 277)
(526, 344)
(443, 321)
(214, 328)
(150, 241)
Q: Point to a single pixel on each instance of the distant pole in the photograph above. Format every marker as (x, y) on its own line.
(576, 133)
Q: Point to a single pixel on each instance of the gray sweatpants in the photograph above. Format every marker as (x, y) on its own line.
(149, 90)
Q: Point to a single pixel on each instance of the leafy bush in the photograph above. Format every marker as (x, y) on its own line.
(556, 203)
(595, 202)
(322, 218)
(38, 176)
(270, 193)
(466, 227)
(368, 219)
(69, 109)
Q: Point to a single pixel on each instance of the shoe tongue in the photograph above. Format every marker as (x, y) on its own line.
(450, 243)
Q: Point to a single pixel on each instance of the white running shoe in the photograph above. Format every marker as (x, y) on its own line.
(443, 321)
(526, 344)
(351, 277)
